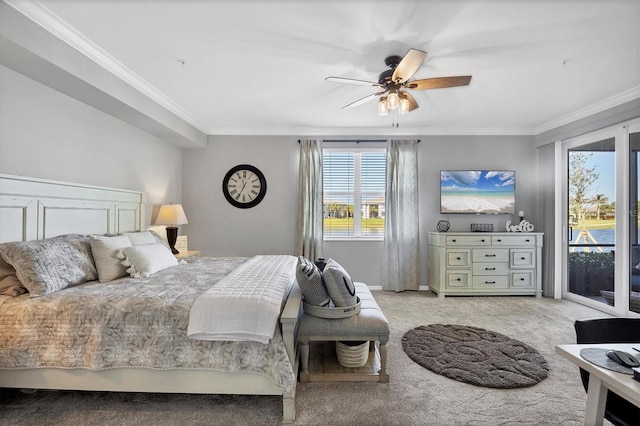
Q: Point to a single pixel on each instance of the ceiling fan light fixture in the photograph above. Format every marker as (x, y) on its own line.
(404, 106)
(383, 107)
(393, 100)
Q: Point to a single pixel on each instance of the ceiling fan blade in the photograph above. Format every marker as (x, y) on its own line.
(412, 102)
(408, 65)
(362, 101)
(438, 82)
(352, 81)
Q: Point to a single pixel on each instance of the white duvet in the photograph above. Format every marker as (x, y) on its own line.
(246, 304)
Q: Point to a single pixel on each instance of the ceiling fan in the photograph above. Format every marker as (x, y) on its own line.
(394, 83)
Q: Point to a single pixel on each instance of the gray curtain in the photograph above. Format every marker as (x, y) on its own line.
(309, 222)
(401, 256)
(546, 205)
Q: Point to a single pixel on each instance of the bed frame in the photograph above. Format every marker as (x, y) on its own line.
(35, 209)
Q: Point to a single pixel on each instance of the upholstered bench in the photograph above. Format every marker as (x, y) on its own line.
(369, 324)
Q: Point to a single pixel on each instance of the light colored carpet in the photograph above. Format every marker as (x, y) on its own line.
(414, 396)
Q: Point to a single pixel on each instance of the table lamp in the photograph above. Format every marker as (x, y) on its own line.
(171, 215)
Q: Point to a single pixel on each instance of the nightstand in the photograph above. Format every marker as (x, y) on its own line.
(187, 254)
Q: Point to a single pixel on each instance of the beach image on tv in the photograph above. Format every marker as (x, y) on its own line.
(477, 191)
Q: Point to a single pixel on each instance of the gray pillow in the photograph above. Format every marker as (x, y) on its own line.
(310, 282)
(46, 266)
(104, 251)
(339, 284)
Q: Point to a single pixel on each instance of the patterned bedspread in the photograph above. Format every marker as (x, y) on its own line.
(137, 323)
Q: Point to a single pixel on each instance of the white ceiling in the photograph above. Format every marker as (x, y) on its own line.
(259, 67)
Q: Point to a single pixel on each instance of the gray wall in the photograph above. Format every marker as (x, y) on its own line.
(217, 228)
(49, 135)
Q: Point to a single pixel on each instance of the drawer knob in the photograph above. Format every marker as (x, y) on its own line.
(489, 255)
(522, 258)
(499, 240)
(453, 241)
(489, 282)
(527, 240)
(521, 279)
(489, 269)
(457, 279)
(482, 240)
(458, 258)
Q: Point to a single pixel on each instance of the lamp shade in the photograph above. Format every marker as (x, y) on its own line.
(171, 215)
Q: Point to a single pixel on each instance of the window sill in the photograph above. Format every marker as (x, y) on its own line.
(354, 239)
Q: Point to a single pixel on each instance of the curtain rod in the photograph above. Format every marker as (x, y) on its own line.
(354, 140)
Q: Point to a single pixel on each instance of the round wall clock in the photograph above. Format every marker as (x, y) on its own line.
(244, 186)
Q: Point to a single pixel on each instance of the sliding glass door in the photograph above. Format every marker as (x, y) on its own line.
(591, 219)
(634, 221)
(600, 248)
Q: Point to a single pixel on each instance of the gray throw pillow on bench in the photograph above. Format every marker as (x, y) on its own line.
(310, 282)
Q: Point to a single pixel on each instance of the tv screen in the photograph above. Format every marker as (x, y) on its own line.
(478, 191)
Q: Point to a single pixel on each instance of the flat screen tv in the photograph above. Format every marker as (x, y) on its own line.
(478, 191)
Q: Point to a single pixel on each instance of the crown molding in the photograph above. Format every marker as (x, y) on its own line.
(613, 101)
(365, 131)
(47, 19)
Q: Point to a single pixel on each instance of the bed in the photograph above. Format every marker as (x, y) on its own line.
(39, 211)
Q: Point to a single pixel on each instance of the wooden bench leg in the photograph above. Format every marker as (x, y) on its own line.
(304, 362)
(384, 376)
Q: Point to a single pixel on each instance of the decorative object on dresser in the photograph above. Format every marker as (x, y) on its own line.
(474, 264)
(171, 215)
(476, 356)
(523, 226)
(244, 186)
(443, 225)
(482, 227)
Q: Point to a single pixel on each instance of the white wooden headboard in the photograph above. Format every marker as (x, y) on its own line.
(32, 209)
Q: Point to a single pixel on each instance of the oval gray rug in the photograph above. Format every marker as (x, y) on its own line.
(476, 356)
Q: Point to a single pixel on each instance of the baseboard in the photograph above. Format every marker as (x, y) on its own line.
(379, 287)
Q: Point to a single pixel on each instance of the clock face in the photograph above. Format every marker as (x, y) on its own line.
(244, 186)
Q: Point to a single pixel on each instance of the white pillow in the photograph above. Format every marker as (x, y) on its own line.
(142, 261)
(139, 238)
(104, 251)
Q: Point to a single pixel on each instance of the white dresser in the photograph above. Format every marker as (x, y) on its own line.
(485, 263)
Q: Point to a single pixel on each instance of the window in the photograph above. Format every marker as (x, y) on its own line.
(354, 193)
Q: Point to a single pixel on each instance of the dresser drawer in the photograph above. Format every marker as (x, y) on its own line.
(490, 268)
(468, 240)
(513, 240)
(522, 258)
(491, 255)
(459, 258)
(458, 279)
(523, 279)
(490, 281)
